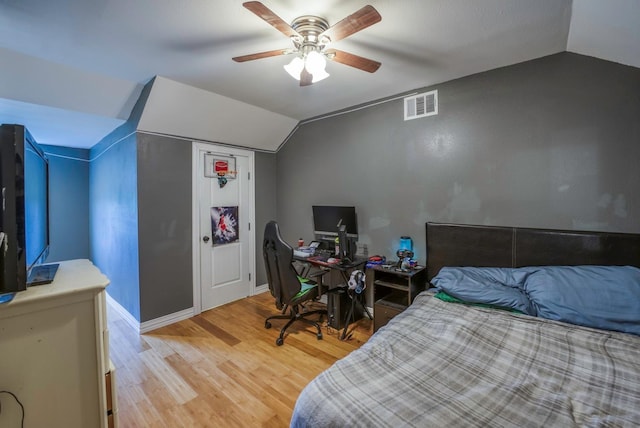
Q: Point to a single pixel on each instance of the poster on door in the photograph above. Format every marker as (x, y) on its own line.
(224, 225)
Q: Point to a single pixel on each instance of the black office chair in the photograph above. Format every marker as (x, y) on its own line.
(289, 290)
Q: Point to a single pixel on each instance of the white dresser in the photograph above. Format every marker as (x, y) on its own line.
(54, 352)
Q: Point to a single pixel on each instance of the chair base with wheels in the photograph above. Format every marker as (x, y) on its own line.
(296, 315)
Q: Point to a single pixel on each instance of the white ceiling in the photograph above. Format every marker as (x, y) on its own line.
(72, 69)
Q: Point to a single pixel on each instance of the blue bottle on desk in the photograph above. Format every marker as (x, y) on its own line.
(406, 243)
(405, 253)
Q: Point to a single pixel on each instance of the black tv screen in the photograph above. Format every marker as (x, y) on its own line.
(326, 219)
(24, 217)
(36, 204)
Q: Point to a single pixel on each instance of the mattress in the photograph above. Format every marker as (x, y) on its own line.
(447, 364)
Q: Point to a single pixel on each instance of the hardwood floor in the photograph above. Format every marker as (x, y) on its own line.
(221, 368)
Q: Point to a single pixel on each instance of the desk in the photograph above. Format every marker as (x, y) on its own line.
(334, 306)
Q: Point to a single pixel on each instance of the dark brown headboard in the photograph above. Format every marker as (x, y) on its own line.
(496, 246)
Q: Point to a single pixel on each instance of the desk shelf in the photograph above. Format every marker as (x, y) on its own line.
(393, 291)
(381, 283)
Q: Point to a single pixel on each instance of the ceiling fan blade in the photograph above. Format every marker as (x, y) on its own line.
(306, 78)
(271, 18)
(353, 60)
(261, 55)
(353, 23)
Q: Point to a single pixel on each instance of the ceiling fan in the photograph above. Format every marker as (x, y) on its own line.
(310, 36)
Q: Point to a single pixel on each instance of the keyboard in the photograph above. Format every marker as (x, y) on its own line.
(323, 254)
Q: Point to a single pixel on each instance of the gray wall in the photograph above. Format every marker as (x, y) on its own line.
(265, 164)
(164, 212)
(68, 203)
(141, 221)
(126, 204)
(551, 143)
(140, 211)
(547, 143)
(164, 225)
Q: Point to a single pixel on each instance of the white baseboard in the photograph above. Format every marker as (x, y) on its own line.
(130, 319)
(166, 320)
(261, 289)
(153, 324)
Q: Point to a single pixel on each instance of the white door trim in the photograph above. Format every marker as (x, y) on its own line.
(195, 220)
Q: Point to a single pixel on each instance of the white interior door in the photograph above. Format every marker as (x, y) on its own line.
(225, 238)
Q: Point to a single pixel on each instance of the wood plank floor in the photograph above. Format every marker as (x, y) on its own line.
(221, 368)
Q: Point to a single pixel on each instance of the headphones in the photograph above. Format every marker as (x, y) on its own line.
(357, 281)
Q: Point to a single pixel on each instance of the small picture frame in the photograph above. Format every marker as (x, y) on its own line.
(224, 225)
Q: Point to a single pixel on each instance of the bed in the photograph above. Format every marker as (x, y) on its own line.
(450, 364)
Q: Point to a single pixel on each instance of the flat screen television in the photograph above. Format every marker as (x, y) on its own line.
(326, 219)
(24, 217)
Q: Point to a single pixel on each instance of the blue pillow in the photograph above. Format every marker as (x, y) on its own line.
(492, 286)
(605, 297)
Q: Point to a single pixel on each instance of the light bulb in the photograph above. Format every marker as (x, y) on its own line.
(319, 75)
(294, 68)
(315, 64)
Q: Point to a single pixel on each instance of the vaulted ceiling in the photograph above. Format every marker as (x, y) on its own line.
(72, 69)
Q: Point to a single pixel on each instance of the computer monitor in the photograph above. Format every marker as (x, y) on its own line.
(327, 219)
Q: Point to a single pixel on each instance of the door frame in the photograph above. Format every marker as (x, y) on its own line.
(195, 216)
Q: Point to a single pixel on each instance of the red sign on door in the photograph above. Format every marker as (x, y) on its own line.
(221, 167)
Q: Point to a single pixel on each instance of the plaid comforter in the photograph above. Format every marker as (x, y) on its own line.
(449, 365)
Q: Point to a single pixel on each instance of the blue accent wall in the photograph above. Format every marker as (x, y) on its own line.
(68, 203)
(113, 209)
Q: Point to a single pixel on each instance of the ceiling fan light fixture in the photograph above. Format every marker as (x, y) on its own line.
(310, 35)
(314, 62)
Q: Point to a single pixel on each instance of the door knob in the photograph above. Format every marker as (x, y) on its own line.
(205, 239)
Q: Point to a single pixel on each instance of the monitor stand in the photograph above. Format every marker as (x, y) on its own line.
(343, 245)
(42, 274)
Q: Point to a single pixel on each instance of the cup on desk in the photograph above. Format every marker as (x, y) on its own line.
(300, 242)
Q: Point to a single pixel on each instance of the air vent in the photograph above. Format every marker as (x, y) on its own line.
(421, 105)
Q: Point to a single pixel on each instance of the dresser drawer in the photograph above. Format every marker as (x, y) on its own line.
(383, 311)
